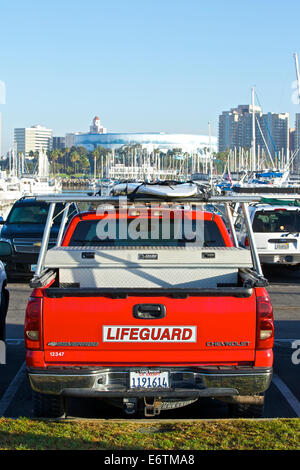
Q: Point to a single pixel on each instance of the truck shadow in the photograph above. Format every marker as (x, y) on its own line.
(281, 274)
(11, 440)
(92, 408)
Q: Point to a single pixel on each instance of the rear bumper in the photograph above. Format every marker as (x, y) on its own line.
(280, 258)
(184, 382)
(20, 264)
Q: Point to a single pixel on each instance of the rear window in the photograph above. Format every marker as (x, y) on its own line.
(86, 233)
(278, 220)
(35, 213)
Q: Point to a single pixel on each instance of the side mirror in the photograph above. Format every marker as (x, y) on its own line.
(5, 248)
(2, 221)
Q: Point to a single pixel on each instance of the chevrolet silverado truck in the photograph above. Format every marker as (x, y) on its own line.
(151, 321)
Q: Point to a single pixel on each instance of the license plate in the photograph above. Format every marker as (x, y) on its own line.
(282, 246)
(146, 379)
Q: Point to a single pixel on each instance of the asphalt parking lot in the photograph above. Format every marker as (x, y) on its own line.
(282, 398)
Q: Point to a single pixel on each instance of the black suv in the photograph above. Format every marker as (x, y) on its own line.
(24, 230)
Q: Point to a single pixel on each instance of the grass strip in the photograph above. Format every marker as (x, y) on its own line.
(30, 434)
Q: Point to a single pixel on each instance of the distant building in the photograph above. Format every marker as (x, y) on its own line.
(228, 135)
(276, 131)
(32, 139)
(271, 130)
(120, 171)
(59, 143)
(297, 132)
(148, 140)
(0, 135)
(70, 139)
(235, 127)
(292, 140)
(297, 140)
(98, 136)
(95, 128)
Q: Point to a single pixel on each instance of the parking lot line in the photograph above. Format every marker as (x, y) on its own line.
(10, 392)
(15, 341)
(288, 394)
(285, 340)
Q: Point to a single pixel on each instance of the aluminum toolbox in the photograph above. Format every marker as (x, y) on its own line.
(147, 267)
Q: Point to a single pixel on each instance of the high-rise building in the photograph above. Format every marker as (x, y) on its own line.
(297, 141)
(235, 127)
(271, 130)
(32, 139)
(297, 132)
(228, 130)
(292, 139)
(276, 131)
(58, 143)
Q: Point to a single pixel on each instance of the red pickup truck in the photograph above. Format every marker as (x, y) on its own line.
(148, 322)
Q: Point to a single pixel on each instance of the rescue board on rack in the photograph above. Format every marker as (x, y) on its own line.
(160, 190)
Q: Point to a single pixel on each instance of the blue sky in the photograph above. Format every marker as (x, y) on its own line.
(165, 65)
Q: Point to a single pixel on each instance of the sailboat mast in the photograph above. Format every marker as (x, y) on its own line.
(210, 156)
(297, 73)
(253, 146)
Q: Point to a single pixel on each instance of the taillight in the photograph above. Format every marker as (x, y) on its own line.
(33, 323)
(247, 241)
(265, 323)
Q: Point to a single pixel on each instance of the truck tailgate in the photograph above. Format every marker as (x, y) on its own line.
(112, 331)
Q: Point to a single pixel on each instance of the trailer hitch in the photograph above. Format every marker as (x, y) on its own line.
(152, 406)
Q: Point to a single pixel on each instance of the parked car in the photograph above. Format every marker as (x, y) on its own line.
(277, 233)
(23, 230)
(148, 324)
(4, 301)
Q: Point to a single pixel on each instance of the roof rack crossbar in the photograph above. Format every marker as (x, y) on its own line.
(116, 199)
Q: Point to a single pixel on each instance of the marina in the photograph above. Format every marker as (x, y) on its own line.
(283, 294)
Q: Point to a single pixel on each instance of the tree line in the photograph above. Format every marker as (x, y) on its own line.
(78, 161)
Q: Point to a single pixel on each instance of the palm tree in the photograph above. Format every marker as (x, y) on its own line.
(74, 157)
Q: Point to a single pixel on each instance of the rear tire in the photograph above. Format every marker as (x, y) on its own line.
(3, 312)
(246, 410)
(48, 406)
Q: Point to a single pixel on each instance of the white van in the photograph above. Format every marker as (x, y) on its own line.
(277, 233)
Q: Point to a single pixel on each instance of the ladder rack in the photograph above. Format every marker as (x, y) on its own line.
(229, 201)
